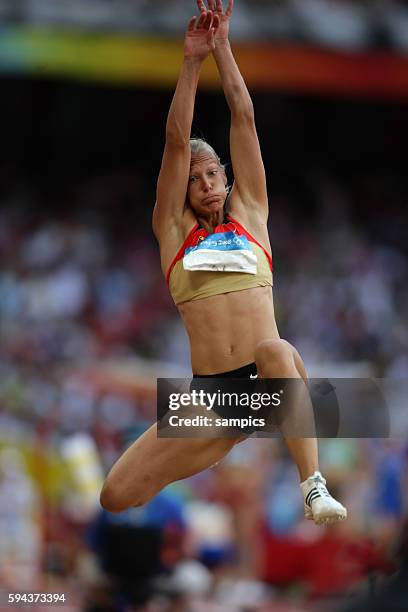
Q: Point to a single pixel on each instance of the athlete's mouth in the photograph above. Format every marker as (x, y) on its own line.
(211, 199)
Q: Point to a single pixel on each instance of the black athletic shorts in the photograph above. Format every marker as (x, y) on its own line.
(241, 380)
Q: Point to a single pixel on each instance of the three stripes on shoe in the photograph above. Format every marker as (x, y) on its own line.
(314, 494)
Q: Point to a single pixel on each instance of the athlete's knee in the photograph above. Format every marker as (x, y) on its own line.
(275, 353)
(114, 499)
(107, 498)
(300, 366)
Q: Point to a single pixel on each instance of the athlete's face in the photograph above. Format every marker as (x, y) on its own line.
(206, 185)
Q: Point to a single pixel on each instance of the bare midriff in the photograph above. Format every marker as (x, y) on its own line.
(225, 329)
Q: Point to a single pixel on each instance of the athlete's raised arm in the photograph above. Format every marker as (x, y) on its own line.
(173, 178)
(249, 171)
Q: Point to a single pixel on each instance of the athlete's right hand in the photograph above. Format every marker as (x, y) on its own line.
(199, 41)
(224, 16)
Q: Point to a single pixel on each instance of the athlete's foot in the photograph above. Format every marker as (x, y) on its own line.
(320, 506)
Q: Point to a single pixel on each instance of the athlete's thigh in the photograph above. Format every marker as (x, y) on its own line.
(157, 461)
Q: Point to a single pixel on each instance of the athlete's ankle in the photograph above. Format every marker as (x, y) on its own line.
(304, 475)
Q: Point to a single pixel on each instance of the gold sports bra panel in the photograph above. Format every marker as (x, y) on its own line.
(186, 285)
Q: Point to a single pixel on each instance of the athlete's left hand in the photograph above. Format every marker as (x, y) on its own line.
(224, 17)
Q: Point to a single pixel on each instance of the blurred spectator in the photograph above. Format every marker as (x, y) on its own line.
(20, 523)
(336, 23)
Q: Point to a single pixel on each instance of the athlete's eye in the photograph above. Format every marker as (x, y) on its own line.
(192, 179)
(213, 172)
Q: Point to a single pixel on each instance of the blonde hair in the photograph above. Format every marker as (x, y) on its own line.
(199, 146)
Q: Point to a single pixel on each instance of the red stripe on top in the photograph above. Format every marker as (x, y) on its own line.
(187, 243)
(194, 236)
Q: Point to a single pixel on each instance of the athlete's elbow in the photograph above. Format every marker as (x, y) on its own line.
(176, 136)
(241, 105)
(176, 141)
(243, 110)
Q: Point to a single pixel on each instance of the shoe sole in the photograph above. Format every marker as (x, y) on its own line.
(326, 519)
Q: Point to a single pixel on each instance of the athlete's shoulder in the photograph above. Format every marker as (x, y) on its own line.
(247, 214)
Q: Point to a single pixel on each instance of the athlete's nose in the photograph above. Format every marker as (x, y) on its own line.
(206, 185)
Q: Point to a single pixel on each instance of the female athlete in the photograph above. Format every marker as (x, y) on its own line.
(224, 296)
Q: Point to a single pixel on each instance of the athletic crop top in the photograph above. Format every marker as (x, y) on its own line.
(228, 260)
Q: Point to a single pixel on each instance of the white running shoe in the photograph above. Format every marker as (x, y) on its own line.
(320, 506)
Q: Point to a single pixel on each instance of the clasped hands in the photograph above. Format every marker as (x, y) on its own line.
(208, 30)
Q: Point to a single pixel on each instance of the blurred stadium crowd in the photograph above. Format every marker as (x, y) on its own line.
(344, 24)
